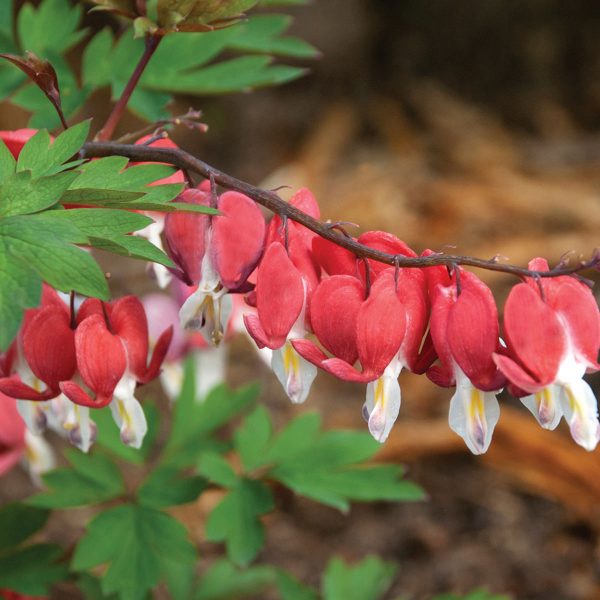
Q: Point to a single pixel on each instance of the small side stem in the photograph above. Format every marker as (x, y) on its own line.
(115, 116)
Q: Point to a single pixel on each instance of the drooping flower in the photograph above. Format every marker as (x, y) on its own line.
(215, 253)
(111, 344)
(290, 260)
(382, 405)
(464, 330)
(281, 293)
(353, 327)
(552, 330)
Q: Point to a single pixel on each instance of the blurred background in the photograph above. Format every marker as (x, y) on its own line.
(471, 126)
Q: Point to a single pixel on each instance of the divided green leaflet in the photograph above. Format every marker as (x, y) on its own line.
(18, 522)
(370, 579)
(145, 546)
(184, 62)
(93, 479)
(236, 520)
(32, 570)
(224, 581)
(167, 486)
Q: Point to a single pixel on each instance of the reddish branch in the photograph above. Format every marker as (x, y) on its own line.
(107, 131)
(274, 203)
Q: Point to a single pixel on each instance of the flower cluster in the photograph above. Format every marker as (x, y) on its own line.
(308, 304)
(63, 363)
(316, 306)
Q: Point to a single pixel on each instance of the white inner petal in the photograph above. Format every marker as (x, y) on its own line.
(128, 413)
(473, 414)
(580, 408)
(295, 374)
(545, 406)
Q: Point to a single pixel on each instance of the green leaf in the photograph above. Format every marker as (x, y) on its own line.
(91, 588)
(295, 438)
(194, 422)
(107, 230)
(35, 248)
(145, 546)
(57, 16)
(21, 195)
(181, 62)
(20, 288)
(7, 162)
(111, 175)
(216, 469)
(43, 245)
(32, 570)
(235, 520)
(223, 581)
(243, 73)
(262, 33)
(368, 580)
(92, 479)
(109, 437)
(326, 467)
(18, 522)
(39, 155)
(479, 594)
(291, 589)
(252, 438)
(167, 486)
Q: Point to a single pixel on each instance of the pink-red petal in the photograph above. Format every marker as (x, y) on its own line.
(185, 236)
(380, 326)
(101, 356)
(49, 346)
(237, 238)
(128, 321)
(473, 333)
(279, 295)
(534, 334)
(334, 312)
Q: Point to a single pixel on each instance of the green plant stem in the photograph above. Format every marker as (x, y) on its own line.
(269, 199)
(115, 116)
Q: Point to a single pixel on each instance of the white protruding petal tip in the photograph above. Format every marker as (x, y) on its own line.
(545, 406)
(128, 413)
(473, 415)
(382, 406)
(39, 456)
(581, 412)
(295, 374)
(81, 430)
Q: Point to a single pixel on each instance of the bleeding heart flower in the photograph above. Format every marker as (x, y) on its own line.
(552, 329)
(43, 355)
(351, 326)
(281, 298)
(382, 404)
(215, 253)
(111, 343)
(464, 330)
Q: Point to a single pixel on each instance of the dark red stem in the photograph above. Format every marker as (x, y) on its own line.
(115, 116)
(274, 203)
